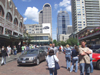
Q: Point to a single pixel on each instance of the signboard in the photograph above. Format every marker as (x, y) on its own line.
(46, 27)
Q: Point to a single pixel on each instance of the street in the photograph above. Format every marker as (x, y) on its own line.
(12, 68)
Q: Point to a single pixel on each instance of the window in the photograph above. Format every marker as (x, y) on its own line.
(20, 25)
(84, 22)
(47, 5)
(15, 21)
(79, 27)
(1, 12)
(1, 30)
(79, 24)
(9, 17)
(79, 21)
(9, 32)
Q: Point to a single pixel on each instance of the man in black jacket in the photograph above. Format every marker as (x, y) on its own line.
(3, 53)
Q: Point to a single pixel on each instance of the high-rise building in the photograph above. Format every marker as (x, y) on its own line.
(85, 13)
(69, 29)
(45, 16)
(62, 22)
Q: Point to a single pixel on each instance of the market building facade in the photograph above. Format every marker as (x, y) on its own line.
(11, 24)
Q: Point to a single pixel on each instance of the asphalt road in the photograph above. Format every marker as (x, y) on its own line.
(12, 68)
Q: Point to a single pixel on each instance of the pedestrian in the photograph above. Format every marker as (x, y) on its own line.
(15, 50)
(51, 58)
(91, 65)
(68, 53)
(75, 54)
(55, 49)
(8, 50)
(23, 49)
(84, 59)
(3, 53)
(27, 48)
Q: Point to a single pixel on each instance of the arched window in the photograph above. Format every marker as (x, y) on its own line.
(1, 11)
(47, 5)
(20, 24)
(15, 21)
(9, 17)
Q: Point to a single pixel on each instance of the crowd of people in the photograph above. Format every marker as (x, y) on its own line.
(81, 54)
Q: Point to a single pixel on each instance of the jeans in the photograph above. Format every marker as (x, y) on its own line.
(22, 51)
(15, 52)
(68, 61)
(74, 60)
(91, 66)
(3, 61)
(52, 70)
(84, 67)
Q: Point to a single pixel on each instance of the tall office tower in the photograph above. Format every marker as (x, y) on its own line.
(41, 17)
(45, 17)
(85, 13)
(62, 22)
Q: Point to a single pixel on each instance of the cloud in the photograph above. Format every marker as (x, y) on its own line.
(25, 19)
(56, 6)
(66, 4)
(26, 0)
(32, 13)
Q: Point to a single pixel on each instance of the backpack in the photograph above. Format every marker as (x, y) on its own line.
(68, 52)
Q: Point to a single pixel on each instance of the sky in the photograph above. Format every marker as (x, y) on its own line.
(29, 9)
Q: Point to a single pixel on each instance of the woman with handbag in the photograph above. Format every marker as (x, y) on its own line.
(74, 59)
(52, 62)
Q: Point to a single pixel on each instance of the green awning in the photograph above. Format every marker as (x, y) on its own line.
(4, 36)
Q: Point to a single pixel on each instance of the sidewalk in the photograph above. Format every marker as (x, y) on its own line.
(11, 58)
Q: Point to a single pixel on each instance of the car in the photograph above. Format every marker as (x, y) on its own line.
(46, 27)
(94, 47)
(96, 59)
(45, 48)
(33, 56)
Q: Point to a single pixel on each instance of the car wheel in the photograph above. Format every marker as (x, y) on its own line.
(98, 65)
(38, 62)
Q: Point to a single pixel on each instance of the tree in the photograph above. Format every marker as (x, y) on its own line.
(63, 43)
(72, 41)
(55, 42)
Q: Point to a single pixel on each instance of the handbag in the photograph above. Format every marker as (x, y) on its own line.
(56, 65)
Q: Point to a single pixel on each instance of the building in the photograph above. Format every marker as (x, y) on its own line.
(85, 13)
(63, 37)
(38, 34)
(34, 28)
(62, 22)
(11, 24)
(90, 34)
(45, 16)
(69, 29)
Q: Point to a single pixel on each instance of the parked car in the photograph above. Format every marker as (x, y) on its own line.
(96, 59)
(45, 48)
(34, 56)
(95, 47)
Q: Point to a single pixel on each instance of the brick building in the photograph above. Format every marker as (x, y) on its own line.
(11, 24)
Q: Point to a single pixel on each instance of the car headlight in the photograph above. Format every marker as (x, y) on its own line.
(31, 58)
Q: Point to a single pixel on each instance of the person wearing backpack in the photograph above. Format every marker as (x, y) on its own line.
(51, 58)
(68, 53)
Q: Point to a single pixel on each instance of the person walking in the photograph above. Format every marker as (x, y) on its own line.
(55, 49)
(74, 59)
(23, 49)
(68, 53)
(91, 65)
(3, 53)
(51, 58)
(84, 59)
(15, 50)
(8, 50)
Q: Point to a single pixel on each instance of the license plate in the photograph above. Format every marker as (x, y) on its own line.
(23, 61)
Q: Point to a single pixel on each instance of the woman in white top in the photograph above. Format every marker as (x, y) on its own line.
(51, 58)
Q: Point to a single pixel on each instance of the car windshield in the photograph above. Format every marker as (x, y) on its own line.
(32, 52)
(97, 51)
